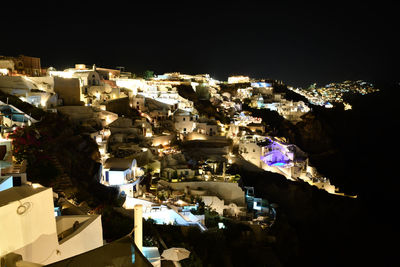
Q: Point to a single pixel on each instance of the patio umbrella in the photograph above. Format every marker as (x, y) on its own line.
(175, 254)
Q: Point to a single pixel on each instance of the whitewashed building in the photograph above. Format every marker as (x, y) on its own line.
(207, 128)
(118, 171)
(185, 122)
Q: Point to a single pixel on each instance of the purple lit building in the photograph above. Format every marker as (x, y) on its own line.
(273, 155)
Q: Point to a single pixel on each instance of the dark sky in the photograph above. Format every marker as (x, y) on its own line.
(299, 44)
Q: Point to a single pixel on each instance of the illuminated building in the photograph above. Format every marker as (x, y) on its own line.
(31, 89)
(238, 79)
(267, 153)
(12, 116)
(185, 122)
(96, 84)
(208, 127)
(108, 74)
(23, 65)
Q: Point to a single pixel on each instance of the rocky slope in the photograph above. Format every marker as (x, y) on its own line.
(352, 148)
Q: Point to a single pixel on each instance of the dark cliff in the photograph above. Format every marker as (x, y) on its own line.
(353, 149)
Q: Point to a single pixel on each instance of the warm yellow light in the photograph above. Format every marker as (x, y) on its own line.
(106, 133)
(4, 71)
(108, 119)
(36, 185)
(99, 139)
(347, 106)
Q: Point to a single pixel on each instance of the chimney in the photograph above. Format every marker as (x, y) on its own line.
(138, 226)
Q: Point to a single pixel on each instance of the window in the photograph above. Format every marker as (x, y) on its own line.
(184, 129)
(184, 119)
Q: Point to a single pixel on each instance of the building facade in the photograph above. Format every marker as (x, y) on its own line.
(24, 65)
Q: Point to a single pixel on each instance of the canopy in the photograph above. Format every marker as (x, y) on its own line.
(175, 254)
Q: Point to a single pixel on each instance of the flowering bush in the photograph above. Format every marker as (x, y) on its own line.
(29, 144)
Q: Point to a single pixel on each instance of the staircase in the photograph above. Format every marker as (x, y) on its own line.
(63, 181)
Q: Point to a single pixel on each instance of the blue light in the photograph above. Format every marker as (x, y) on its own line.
(133, 253)
(279, 164)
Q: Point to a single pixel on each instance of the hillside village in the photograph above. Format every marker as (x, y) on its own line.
(170, 143)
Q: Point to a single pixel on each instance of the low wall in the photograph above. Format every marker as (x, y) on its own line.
(229, 192)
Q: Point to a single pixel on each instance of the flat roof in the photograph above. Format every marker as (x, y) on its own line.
(119, 163)
(18, 193)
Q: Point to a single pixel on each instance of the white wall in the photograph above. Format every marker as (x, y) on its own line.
(33, 233)
(251, 152)
(214, 203)
(116, 177)
(184, 122)
(64, 223)
(87, 237)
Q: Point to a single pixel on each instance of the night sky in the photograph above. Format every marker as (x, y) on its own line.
(299, 44)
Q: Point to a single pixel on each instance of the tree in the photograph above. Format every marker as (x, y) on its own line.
(148, 74)
(236, 178)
